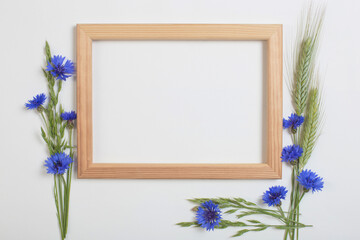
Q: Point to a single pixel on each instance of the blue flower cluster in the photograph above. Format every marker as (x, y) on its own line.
(36, 102)
(58, 163)
(294, 121)
(68, 116)
(59, 69)
(273, 196)
(208, 215)
(310, 181)
(291, 153)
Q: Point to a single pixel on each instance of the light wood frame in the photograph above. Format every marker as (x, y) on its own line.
(272, 34)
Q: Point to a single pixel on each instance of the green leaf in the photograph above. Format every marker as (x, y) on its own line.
(259, 229)
(231, 211)
(45, 73)
(284, 227)
(229, 200)
(62, 130)
(253, 221)
(43, 135)
(63, 143)
(227, 223)
(241, 232)
(199, 200)
(59, 88)
(247, 213)
(188, 224)
(47, 52)
(241, 200)
(71, 147)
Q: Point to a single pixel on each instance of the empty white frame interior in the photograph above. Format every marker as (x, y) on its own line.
(179, 101)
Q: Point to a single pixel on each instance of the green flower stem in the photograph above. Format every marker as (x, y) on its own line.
(297, 136)
(226, 223)
(297, 220)
(297, 209)
(267, 212)
(301, 197)
(44, 119)
(293, 204)
(60, 191)
(70, 142)
(294, 211)
(63, 181)
(57, 206)
(277, 226)
(65, 202)
(293, 138)
(48, 132)
(289, 232)
(271, 213)
(59, 89)
(66, 205)
(298, 213)
(232, 203)
(68, 182)
(294, 193)
(287, 223)
(281, 211)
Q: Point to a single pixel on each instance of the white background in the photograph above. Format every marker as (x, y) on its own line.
(148, 209)
(179, 101)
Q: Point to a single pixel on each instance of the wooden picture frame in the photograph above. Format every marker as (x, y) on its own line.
(271, 33)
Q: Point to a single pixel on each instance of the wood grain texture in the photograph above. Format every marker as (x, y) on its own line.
(275, 102)
(86, 33)
(179, 31)
(84, 101)
(179, 171)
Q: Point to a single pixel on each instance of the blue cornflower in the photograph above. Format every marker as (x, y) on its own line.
(68, 116)
(291, 153)
(310, 180)
(273, 196)
(36, 102)
(58, 163)
(58, 69)
(208, 215)
(294, 121)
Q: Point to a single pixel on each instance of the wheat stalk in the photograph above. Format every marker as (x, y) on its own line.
(305, 53)
(311, 127)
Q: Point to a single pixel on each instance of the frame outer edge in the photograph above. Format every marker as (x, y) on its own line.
(87, 169)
